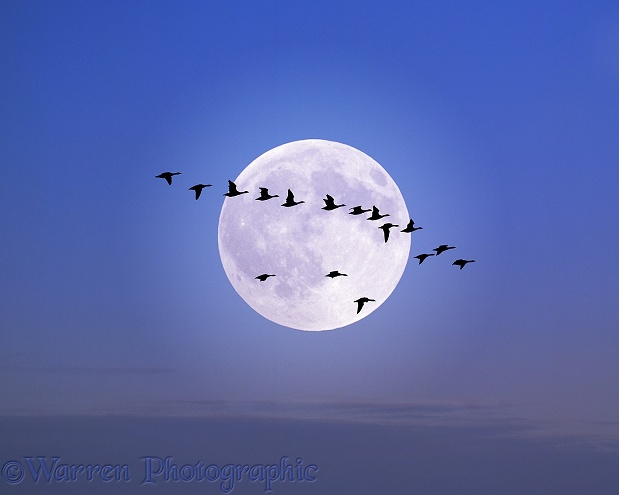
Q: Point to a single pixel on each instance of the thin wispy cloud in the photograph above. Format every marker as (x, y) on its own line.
(87, 370)
(355, 412)
(498, 419)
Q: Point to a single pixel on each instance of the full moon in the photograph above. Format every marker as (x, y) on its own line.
(301, 244)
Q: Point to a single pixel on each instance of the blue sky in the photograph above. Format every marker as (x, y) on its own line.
(497, 121)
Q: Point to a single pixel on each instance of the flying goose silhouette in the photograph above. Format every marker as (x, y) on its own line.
(198, 189)
(411, 227)
(461, 263)
(361, 301)
(385, 228)
(263, 277)
(167, 176)
(330, 204)
(290, 200)
(358, 210)
(421, 257)
(443, 248)
(233, 191)
(376, 215)
(264, 195)
(335, 273)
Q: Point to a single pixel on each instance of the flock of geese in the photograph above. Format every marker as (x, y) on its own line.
(329, 205)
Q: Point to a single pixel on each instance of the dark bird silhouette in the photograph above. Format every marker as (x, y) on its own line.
(263, 277)
(411, 227)
(376, 214)
(198, 189)
(330, 204)
(357, 210)
(361, 301)
(461, 263)
(386, 228)
(290, 200)
(233, 191)
(442, 248)
(264, 195)
(421, 257)
(167, 176)
(335, 273)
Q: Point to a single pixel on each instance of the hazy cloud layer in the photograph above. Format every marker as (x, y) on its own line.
(364, 459)
(500, 419)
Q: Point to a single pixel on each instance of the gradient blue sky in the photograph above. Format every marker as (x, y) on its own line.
(498, 121)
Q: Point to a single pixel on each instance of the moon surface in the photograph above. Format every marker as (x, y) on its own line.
(301, 244)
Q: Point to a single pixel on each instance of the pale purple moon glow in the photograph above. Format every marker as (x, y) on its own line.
(301, 244)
